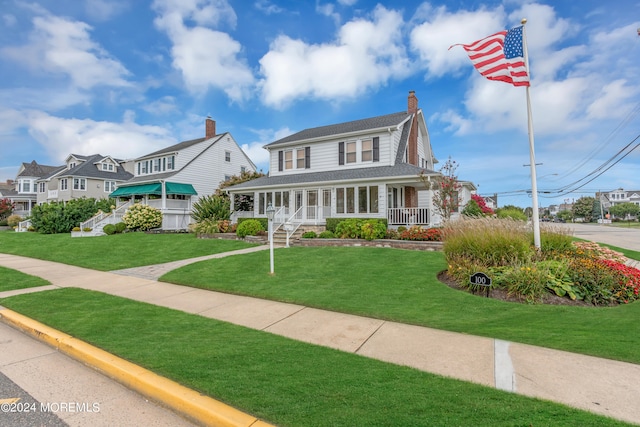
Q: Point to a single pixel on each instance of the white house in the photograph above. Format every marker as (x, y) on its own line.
(25, 192)
(173, 178)
(82, 176)
(369, 168)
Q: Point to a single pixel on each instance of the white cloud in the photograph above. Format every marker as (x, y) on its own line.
(103, 10)
(432, 38)
(61, 136)
(205, 57)
(366, 54)
(254, 150)
(162, 106)
(267, 7)
(9, 20)
(59, 45)
(572, 85)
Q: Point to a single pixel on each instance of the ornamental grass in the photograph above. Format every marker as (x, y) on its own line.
(503, 249)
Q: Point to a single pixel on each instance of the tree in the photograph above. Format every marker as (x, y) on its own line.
(241, 202)
(472, 209)
(445, 189)
(583, 208)
(565, 215)
(625, 210)
(6, 207)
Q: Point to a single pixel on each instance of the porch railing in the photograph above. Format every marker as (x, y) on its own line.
(408, 216)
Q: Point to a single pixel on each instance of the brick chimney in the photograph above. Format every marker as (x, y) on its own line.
(412, 108)
(210, 128)
(412, 102)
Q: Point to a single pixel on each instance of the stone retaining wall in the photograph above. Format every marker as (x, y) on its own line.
(381, 243)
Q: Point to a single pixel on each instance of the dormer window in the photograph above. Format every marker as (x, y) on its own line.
(72, 165)
(107, 167)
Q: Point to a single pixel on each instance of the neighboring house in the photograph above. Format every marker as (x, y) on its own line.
(368, 168)
(173, 178)
(24, 194)
(616, 197)
(82, 176)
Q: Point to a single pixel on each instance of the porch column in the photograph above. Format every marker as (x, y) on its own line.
(164, 195)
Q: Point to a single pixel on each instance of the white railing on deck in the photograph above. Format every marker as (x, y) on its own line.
(110, 217)
(24, 225)
(408, 216)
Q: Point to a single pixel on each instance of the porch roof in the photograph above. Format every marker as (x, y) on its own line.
(395, 172)
(154, 188)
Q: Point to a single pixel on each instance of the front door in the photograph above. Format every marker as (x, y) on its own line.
(312, 204)
(298, 204)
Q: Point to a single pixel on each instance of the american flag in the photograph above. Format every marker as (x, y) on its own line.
(500, 57)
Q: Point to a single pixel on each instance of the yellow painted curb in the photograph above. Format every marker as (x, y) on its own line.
(192, 404)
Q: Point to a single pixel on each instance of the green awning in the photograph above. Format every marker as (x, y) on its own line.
(155, 189)
(178, 188)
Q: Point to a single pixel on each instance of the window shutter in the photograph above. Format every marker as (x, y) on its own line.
(307, 157)
(341, 153)
(376, 148)
(280, 160)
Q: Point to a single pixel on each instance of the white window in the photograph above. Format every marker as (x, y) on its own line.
(156, 165)
(288, 159)
(107, 167)
(351, 152)
(171, 162)
(79, 184)
(109, 186)
(24, 186)
(367, 150)
(227, 156)
(243, 169)
(72, 165)
(64, 184)
(41, 187)
(300, 158)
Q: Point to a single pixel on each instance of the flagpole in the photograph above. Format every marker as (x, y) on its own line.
(535, 217)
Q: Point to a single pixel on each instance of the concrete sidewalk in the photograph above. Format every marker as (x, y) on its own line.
(602, 386)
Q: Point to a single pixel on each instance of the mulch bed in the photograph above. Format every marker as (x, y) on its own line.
(501, 294)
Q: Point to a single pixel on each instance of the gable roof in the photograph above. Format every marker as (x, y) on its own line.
(36, 170)
(388, 120)
(88, 169)
(176, 147)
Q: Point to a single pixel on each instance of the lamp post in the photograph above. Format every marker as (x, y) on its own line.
(270, 213)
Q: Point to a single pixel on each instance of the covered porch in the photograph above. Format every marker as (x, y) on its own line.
(173, 199)
(400, 205)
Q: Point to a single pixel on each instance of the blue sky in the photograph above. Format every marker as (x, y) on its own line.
(127, 77)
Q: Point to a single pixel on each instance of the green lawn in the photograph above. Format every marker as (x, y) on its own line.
(12, 279)
(283, 381)
(401, 285)
(113, 252)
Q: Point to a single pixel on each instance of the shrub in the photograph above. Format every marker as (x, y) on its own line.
(348, 229)
(392, 234)
(87, 229)
(75, 229)
(224, 225)
(59, 217)
(401, 228)
(373, 229)
(512, 213)
(309, 235)
(326, 235)
(120, 227)
(14, 220)
(109, 229)
(250, 227)
(213, 206)
(142, 217)
(263, 221)
(332, 223)
(416, 232)
(207, 226)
